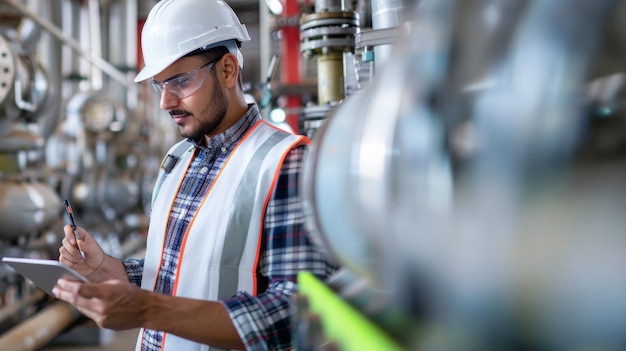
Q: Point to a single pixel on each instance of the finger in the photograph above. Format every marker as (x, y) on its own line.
(69, 285)
(85, 292)
(65, 292)
(62, 294)
(65, 243)
(65, 260)
(70, 249)
(69, 234)
(83, 305)
(82, 233)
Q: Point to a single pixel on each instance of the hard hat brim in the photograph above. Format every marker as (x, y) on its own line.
(152, 70)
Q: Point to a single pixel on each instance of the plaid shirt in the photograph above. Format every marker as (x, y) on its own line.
(262, 320)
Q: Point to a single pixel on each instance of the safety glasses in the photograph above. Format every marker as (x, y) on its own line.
(185, 84)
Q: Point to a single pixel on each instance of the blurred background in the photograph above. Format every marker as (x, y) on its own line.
(467, 169)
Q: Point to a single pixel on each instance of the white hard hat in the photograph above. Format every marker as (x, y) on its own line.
(175, 28)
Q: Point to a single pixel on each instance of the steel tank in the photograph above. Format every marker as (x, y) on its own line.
(26, 207)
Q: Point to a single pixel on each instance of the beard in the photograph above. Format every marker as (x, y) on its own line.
(211, 117)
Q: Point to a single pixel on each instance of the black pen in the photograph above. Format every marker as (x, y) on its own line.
(70, 213)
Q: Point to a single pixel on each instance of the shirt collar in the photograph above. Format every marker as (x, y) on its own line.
(233, 134)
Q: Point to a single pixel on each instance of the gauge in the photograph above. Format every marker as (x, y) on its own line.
(97, 115)
(97, 111)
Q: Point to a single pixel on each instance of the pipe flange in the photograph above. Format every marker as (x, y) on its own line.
(322, 32)
(342, 44)
(328, 31)
(377, 37)
(316, 112)
(329, 19)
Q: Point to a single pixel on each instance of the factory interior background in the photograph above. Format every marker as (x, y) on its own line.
(467, 167)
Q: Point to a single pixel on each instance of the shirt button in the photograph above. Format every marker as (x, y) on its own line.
(223, 149)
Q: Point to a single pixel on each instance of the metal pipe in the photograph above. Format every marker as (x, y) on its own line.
(330, 85)
(70, 62)
(328, 35)
(50, 52)
(328, 6)
(290, 62)
(131, 14)
(386, 14)
(11, 310)
(95, 35)
(38, 330)
(57, 33)
(265, 40)
(265, 51)
(120, 47)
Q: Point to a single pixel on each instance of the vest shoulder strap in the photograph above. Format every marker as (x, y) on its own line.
(169, 162)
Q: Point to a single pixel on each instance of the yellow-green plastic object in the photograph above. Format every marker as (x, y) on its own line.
(340, 321)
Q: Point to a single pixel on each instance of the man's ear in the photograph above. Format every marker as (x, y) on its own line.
(230, 70)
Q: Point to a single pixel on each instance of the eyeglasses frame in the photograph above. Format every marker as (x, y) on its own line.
(159, 87)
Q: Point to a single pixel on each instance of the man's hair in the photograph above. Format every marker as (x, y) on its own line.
(217, 53)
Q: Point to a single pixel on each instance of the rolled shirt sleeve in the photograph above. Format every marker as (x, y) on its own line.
(134, 269)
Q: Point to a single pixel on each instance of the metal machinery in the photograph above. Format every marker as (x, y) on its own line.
(474, 191)
(348, 43)
(467, 167)
(327, 34)
(72, 125)
(23, 98)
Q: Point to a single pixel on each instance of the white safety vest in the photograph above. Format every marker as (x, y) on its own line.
(209, 266)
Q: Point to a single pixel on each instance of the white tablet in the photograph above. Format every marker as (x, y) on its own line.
(44, 273)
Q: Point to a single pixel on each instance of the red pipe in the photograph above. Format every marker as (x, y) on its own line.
(290, 60)
(140, 24)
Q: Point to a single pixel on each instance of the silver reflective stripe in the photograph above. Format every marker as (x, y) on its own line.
(239, 222)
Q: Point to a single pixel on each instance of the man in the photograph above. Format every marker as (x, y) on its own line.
(226, 237)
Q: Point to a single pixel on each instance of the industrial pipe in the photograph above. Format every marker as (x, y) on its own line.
(38, 330)
(387, 14)
(10, 311)
(57, 33)
(326, 35)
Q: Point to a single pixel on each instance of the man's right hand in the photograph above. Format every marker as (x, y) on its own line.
(70, 256)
